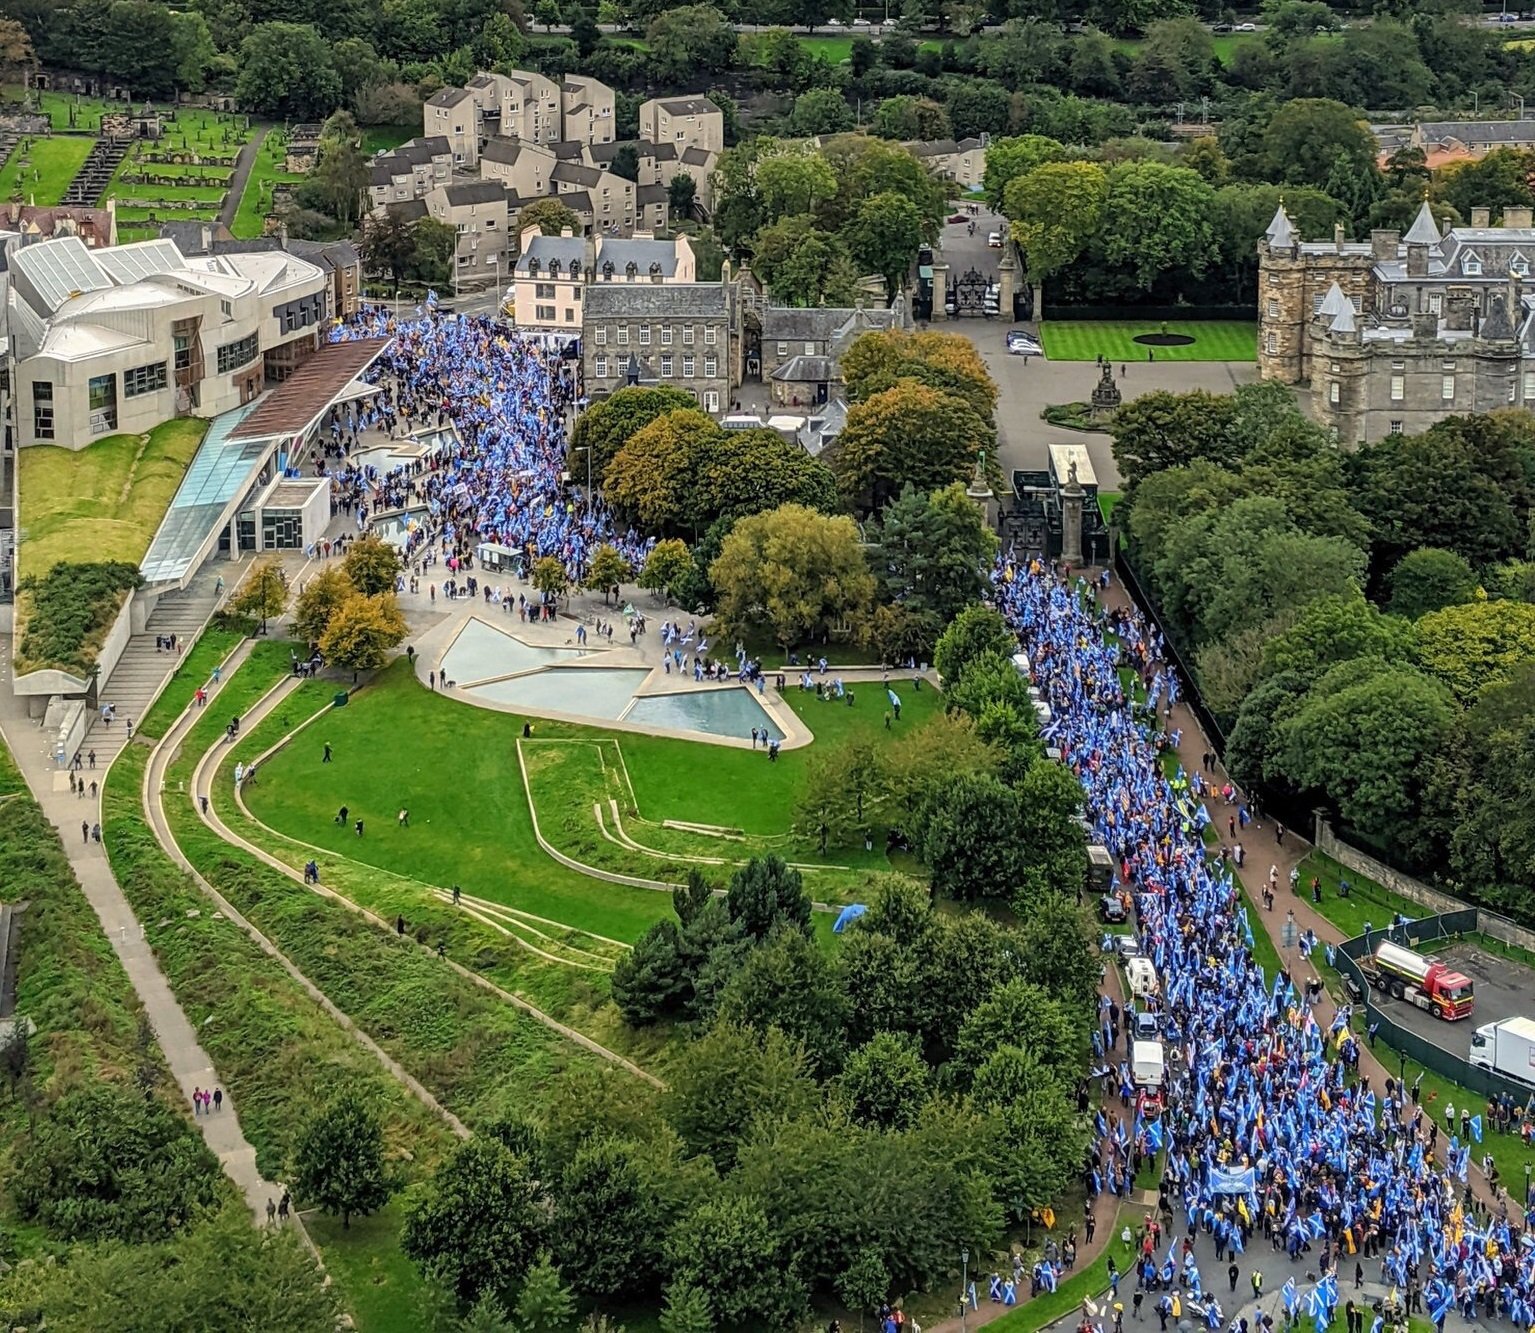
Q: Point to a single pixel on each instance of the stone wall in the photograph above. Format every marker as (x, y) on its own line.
(1415, 890)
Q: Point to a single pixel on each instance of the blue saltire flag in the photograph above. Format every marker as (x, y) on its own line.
(1100, 1125)
(1476, 1128)
(1438, 1301)
(1289, 1296)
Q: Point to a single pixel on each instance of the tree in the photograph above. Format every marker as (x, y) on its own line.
(1307, 137)
(820, 111)
(767, 893)
(841, 796)
(264, 593)
(286, 72)
(864, 1284)
(544, 1305)
(1020, 1014)
(1428, 579)
(1367, 735)
(1156, 219)
(667, 566)
(477, 1224)
(102, 1163)
(607, 570)
(362, 631)
(885, 1082)
(793, 181)
(1056, 211)
(17, 58)
(804, 266)
(974, 633)
(654, 476)
(883, 236)
(1059, 953)
(191, 47)
(340, 175)
(688, 39)
(651, 981)
(1008, 159)
(549, 576)
(339, 1163)
(1497, 180)
(1477, 645)
(371, 565)
(932, 554)
(681, 191)
(1042, 1138)
(388, 246)
(964, 835)
(790, 985)
(801, 573)
(1335, 629)
(907, 117)
(946, 361)
(686, 1309)
(725, 1082)
(727, 1249)
(1162, 430)
(923, 758)
(1493, 844)
(605, 427)
(744, 472)
(318, 602)
(550, 216)
(607, 1223)
(907, 434)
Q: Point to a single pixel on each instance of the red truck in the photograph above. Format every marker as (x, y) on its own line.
(1426, 982)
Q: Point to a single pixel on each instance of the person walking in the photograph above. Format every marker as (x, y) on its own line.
(218, 1099)
(326, 758)
(85, 832)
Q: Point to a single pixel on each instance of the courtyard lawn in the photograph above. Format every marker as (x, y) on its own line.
(102, 502)
(455, 768)
(1108, 502)
(1087, 339)
(39, 170)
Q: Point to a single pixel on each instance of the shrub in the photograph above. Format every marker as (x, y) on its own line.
(70, 610)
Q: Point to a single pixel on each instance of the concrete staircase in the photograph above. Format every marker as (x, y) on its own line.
(95, 174)
(142, 669)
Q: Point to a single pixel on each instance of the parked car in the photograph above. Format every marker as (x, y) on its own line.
(1020, 343)
(994, 240)
(959, 218)
(1111, 907)
(1148, 1027)
(1220, 27)
(833, 23)
(1245, 27)
(863, 25)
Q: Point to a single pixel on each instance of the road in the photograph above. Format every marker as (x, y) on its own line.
(1027, 388)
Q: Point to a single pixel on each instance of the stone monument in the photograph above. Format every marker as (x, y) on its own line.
(1105, 393)
(1072, 497)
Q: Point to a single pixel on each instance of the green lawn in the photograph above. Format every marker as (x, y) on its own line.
(1108, 502)
(1087, 339)
(1225, 44)
(376, 138)
(474, 829)
(40, 170)
(103, 502)
(379, 1286)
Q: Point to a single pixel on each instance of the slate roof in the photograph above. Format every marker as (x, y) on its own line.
(656, 300)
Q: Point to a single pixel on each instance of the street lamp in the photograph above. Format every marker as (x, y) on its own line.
(587, 450)
(964, 1288)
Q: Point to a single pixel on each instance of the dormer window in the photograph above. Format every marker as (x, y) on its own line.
(607, 270)
(1519, 266)
(533, 267)
(630, 269)
(1471, 264)
(554, 268)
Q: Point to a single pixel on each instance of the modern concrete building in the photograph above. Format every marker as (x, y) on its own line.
(452, 114)
(1392, 334)
(410, 171)
(117, 340)
(684, 122)
(481, 213)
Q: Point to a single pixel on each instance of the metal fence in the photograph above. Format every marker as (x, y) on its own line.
(1408, 1044)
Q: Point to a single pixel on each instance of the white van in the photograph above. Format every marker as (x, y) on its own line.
(1141, 976)
(1148, 1066)
(742, 421)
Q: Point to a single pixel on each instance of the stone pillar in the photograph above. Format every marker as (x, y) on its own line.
(1072, 497)
(1007, 281)
(940, 291)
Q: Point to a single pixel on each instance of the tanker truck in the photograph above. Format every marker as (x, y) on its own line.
(1425, 982)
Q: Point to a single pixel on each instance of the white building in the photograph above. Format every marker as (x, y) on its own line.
(117, 340)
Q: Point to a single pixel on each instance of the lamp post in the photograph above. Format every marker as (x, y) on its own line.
(964, 1289)
(1527, 1170)
(587, 450)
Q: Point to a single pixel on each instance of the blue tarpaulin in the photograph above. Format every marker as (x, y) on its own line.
(848, 915)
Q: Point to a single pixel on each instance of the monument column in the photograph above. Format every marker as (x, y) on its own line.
(1072, 497)
(940, 291)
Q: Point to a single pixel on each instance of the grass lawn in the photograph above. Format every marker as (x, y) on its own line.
(103, 502)
(838, 50)
(1087, 339)
(257, 199)
(469, 821)
(1225, 44)
(41, 173)
(1108, 502)
(379, 1286)
(377, 138)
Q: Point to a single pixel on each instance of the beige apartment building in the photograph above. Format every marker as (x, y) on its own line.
(410, 171)
(480, 212)
(553, 272)
(452, 114)
(685, 122)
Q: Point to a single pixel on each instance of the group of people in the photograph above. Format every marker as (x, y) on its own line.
(1264, 1125)
(500, 476)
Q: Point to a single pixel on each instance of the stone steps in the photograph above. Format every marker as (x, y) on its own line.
(96, 173)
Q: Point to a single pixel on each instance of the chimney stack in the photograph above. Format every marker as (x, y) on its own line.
(1337, 236)
(1417, 261)
(1384, 242)
(1481, 217)
(1516, 217)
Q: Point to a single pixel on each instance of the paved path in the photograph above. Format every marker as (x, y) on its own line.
(244, 164)
(188, 1062)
